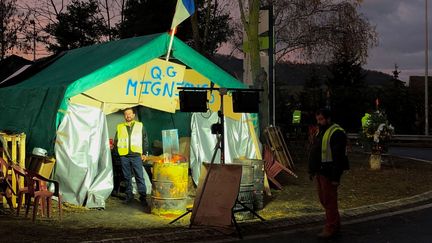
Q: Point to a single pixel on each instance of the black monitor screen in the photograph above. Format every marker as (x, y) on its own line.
(193, 101)
(245, 102)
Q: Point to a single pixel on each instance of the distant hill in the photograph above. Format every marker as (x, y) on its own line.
(291, 74)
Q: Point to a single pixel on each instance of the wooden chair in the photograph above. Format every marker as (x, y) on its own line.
(272, 167)
(6, 183)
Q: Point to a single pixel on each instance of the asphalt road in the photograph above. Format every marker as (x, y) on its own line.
(409, 152)
(411, 225)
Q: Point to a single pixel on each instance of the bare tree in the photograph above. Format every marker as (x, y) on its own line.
(316, 29)
(47, 12)
(13, 26)
(210, 26)
(113, 13)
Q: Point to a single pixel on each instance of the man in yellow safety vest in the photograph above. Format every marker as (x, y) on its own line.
(327, 161)
(132, 143)
(296, 117)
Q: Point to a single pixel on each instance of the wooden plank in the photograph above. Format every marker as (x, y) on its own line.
(278, 146)
(285, 147)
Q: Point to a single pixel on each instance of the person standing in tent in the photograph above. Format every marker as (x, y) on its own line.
(132, 145)
(327, 161)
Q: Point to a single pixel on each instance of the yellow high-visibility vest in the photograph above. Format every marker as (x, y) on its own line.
(326, 154)
(365, 120)
(296, 117)
(123, 138)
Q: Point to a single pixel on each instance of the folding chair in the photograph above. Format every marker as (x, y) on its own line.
(272, 167)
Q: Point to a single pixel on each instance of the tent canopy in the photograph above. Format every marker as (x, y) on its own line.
(36, 105)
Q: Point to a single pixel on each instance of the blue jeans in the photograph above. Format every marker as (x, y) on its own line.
(133, 163)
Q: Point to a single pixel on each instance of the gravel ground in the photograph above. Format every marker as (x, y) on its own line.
(398, 178)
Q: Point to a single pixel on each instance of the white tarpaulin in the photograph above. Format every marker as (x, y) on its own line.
(83, 166)
(239, 141)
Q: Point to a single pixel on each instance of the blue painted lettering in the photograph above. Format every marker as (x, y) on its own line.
(132, 84)
(156, 90)
(156, 72)
(145, 88)
(170, 72)
(168, 89)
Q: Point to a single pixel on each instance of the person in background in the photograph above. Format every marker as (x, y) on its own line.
(327, 161)
(132, 145)
(366, 119)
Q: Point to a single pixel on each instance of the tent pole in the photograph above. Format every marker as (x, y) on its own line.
(170, 43)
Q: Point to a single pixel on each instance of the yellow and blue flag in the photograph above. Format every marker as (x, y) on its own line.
(184, 9)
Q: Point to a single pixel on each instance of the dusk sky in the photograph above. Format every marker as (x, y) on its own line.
(401, 29)
(400, 25)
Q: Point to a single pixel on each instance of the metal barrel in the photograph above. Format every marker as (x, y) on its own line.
(245, 196)
(257, 180)
(169, 188)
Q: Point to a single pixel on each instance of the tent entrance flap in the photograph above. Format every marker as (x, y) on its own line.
(84, 168)
(153, 84)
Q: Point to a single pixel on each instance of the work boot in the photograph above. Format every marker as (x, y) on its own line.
(128, 199)
(143, 201)
(326, 233)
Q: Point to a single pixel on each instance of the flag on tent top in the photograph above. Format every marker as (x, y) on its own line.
(184, 9)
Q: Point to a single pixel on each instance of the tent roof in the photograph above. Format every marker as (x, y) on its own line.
(80, 62)
(153, 47)
(90, 66)
(37, 104)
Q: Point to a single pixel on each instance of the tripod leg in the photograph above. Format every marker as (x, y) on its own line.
(236, 225)
(250, 210)
(181, 216)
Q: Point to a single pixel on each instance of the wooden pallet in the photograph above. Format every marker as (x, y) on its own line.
(278, 146)
(14, 152)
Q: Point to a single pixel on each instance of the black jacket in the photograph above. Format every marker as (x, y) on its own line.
(332, 170)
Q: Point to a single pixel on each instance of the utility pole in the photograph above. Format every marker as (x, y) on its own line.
(272, 85)
(426, 71)
(33, 22)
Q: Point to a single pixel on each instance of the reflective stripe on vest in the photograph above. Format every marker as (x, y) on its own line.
(296, 117)
(123, 138)
(326, 154)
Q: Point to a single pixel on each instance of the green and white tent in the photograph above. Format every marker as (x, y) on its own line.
(36, 105)
(43, 106)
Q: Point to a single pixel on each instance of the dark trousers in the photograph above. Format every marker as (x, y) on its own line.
(134, 164)
(327, 193)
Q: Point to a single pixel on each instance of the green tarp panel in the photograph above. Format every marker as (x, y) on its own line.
(36, 105)
(155, 121)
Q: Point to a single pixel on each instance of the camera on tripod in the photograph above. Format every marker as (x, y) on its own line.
(216, 128)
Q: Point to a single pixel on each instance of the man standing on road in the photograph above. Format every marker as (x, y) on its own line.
(132, 143)
(327, 161)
